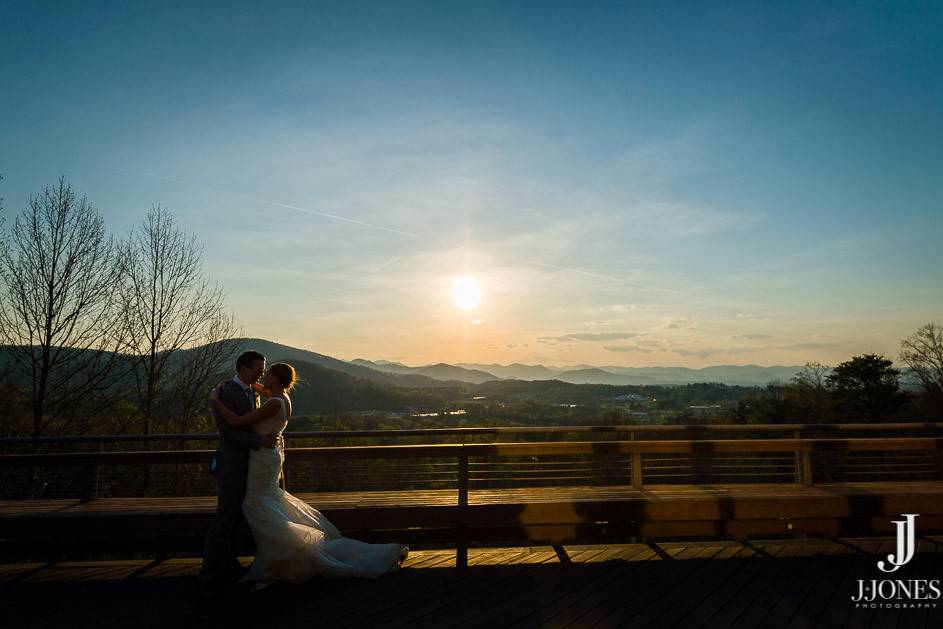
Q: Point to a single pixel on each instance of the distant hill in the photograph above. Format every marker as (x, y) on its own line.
(742, 375)
(276, 351)
(440, 371)
(325, 390)
(329, 385)
(559, 392)
(600, 376)
(461, 375)
(517, 371)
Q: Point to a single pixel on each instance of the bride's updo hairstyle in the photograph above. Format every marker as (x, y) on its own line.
(286, 375)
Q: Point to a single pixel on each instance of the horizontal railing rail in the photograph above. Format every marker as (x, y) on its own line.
(635, 430)
(801, 449)
(441, 450)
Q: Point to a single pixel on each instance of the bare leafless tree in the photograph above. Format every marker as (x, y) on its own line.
(811, 386)
(922, 352)
(168, 306)
(58, 275)
(201, 367)
(7, 427)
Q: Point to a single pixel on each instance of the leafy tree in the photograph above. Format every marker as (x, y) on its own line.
(773, 405)
(739, 413)
(867, 387)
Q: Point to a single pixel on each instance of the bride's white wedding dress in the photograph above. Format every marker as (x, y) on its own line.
(296, 542)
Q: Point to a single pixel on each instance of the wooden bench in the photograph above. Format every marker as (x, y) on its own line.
(466, 515)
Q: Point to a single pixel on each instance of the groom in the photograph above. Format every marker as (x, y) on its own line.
(220, 561)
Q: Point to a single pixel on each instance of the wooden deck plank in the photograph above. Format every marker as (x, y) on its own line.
(861, 617)
(660, 604)
(457, 587)
(744, 566)
(586, 615)
(467, 599)
(533, 589)
(475, 589)
(526, 587)
(612, 586)
(839, 605)
(772, 593)
(568, 604)
(696, 591)
(798, 585)
(837, 561)
(737, 599)
(934, 545)
(693, 563)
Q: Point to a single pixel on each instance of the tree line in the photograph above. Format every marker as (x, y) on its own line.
(865, 388)
(123, 332)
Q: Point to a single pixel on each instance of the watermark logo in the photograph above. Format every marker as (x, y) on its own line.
(899, 593)
(905, 543)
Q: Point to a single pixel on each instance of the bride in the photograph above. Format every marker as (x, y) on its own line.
(295, 542)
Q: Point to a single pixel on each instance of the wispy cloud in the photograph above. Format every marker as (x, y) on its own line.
(630, 349)
(678, 324)
(587, 336)
(813, 345)
(712, 351)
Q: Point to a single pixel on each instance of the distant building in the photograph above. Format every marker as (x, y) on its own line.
(630, 397)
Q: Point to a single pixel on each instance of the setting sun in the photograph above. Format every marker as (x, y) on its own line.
(466, 293)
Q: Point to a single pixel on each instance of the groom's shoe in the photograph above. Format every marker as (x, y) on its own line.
(211, 589)
(261, 586)
(241, 571)
(237, 571)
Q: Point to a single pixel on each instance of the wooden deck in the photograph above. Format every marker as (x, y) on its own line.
(564, 514)
(791, 583)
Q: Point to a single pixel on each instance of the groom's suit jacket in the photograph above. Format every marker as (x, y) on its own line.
(235, 441)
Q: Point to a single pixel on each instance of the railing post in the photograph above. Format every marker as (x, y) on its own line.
(461, 543)
(90, 475)
(797, 434)
(636, 470)
(939, 461)
(806, 456)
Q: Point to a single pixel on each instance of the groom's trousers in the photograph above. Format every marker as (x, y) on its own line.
(229, 527)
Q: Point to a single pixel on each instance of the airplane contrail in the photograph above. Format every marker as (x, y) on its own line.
(353, 221)
(385, 264)
(338, 218)
(272, 203)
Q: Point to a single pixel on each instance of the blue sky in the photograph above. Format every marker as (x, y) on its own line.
(630, 184)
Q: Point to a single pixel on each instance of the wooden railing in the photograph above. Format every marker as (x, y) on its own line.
(635, 431)
(621, 455)
(803, 450)
(629, 497)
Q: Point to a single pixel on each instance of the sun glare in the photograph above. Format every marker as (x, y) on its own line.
(466, 293)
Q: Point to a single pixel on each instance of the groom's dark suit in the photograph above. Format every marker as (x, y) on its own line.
(220, 562)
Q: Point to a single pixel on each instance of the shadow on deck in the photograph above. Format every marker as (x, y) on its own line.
(782, 583)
